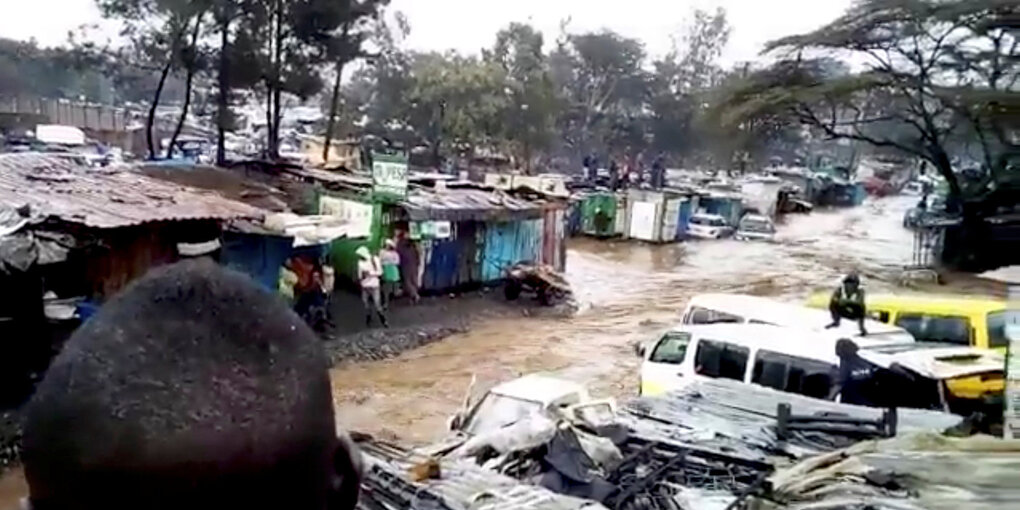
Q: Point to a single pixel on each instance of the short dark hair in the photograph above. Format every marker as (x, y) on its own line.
(845, 347)
(192, 387)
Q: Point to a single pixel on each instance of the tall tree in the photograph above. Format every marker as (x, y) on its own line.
(600, 75)
(191, 60)
(931, 71)
(158, 30)
(346, 47)
(532, 104)
(683, 79)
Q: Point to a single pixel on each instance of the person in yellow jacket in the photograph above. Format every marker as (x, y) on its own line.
(847, 302)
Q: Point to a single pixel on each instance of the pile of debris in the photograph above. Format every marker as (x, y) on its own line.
(913, 471)
(710, 446)
(399, 479)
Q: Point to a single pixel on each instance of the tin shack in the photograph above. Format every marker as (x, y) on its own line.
(71, 236)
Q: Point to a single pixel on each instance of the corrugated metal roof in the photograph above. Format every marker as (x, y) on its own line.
(462, 204)
(732, 416)
(59, 187)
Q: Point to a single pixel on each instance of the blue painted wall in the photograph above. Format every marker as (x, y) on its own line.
(507, 243)
(258, 256)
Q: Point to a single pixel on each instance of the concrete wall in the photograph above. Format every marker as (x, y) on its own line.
(92, 117)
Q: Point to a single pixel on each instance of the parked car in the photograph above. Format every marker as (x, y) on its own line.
(708, 226)
(753, 227)
(512, 401)
(804, 362)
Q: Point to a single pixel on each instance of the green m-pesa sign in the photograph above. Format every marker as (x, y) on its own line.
(389, 176)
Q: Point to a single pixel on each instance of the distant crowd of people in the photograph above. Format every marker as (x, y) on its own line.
(631, 174)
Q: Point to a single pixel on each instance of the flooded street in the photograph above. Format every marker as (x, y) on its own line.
(627, 291)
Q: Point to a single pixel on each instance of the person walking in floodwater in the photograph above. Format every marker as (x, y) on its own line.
(390, 272)
(848, 303)
(369, 271)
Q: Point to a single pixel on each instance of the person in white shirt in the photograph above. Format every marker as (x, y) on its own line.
(369, 271)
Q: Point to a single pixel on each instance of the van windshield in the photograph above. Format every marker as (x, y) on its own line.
(498, 411)
(671, 349)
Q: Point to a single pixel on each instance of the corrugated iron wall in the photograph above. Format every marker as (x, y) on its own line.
(507, 243)
(477, 253)
(454, 262)
(554, 236)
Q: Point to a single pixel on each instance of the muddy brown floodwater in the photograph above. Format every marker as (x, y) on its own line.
(628, 291)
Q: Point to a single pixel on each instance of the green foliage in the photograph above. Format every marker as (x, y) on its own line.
(937, 77)
(682, 84)
(28, 70)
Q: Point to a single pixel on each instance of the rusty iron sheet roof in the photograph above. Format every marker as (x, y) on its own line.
(55, 186)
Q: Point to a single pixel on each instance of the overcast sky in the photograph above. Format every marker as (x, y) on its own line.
(468, 25)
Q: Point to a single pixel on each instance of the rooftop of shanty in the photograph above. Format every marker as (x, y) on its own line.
(466, 204)
(457, 201)
(58, 187)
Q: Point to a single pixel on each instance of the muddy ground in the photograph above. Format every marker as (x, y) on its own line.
(402, 382)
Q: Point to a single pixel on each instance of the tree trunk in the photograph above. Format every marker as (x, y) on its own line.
(945, 167)
(221, 112)
(334, 107)
(274, 132)
(150, 120)
(187, 85)
(268, 153)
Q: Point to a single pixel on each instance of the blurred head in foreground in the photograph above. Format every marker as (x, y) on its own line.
(192, 388)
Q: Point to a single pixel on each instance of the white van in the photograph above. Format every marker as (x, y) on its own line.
(786, 359)
(794, 360)
(745, 309)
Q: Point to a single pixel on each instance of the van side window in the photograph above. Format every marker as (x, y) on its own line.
(671, 348)
(930, 328)
(700, 315)
(720, 359)
(997, 327)
(793, 374)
